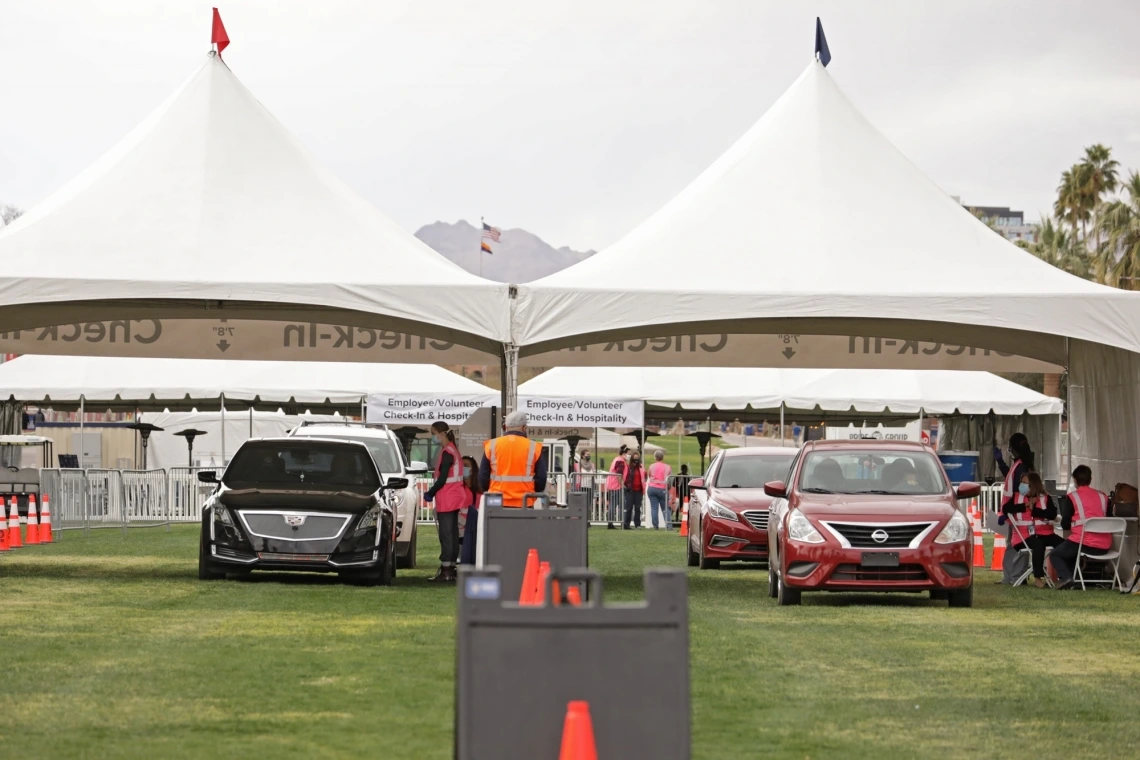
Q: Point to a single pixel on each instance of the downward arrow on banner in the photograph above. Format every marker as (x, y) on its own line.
(788, 352)
(223, 345)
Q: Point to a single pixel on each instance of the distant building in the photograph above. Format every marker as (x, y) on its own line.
(1008, 222)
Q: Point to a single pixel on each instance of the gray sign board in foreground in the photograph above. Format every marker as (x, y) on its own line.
(517, 668)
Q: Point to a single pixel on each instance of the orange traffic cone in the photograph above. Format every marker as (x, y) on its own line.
(3, 532)
(14, 526)
(578, 733)
(979, 549)
(45, 521)
(999, 552)
(540, 583)
(685, 517)
(530, 578)
(33, 522)
(574, 596)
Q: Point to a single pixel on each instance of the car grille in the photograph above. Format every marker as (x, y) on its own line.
(757, 518)
(314, 528)
(225, 551)
(285, 557)
(900, 574)
(859, 534)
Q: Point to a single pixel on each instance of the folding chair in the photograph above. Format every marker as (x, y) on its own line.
(1023, 548)
(1114, 526)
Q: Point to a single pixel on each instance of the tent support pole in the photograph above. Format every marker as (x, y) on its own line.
(1068, 411)
(782, 437)
(509, 369)
(82, 437)
(364, 409)
(223, 430)
(251, 420)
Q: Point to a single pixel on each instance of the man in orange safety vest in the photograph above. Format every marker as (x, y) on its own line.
(513, 465)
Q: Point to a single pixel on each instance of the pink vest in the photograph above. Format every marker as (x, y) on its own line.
(1087, 503)
(1040, 527)
(454, 494)
(1009, 488)
(659, 473)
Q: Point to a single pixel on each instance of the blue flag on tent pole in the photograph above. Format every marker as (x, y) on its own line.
(821, 50)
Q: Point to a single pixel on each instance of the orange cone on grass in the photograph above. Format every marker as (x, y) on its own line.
(999, 552)
(979, 549)
(3, 532)
(574, 596)
(540, 583)
(33, 522)
(685, 517)
(45, 521)
(530, 578)
(14, 526)
(578, 733)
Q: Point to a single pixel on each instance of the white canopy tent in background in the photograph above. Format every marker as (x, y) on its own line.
(209, 215)
(813, 224)
(807, 395)
(61, 381)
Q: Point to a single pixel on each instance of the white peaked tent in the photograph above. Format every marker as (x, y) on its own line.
(904, 392)
(814, 224)
(211, 210)
(61, 381)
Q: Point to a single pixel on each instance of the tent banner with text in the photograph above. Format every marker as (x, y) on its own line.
(544, 411)
(426, 408)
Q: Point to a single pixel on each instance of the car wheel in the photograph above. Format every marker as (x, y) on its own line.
(786, 597)
(207, 570)
(408, 561)
(706, 563)
(773, 591)
(939, 595)
(692, 558)
(962, 598)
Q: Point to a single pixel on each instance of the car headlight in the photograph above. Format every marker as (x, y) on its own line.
(222, 515)
(721, 512)
(369, 520)
(800, 529)
(393, 498)
(957, 529)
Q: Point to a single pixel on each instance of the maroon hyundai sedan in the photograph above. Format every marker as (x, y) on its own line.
(869, 516)
(728, 511)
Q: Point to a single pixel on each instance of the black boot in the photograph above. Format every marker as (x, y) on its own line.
(450, 574)
(440, 575)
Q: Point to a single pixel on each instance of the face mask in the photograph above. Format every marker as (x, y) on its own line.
(1023, 489)
(466, 472)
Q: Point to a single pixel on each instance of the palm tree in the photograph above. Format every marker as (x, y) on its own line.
(1058, 246)
(1072, 202)
(1118, 225)
(1099, 176)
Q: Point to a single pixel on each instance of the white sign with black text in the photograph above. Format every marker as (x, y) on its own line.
(582, 413)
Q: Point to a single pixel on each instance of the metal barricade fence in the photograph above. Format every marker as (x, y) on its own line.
(105, 499)
(185, 495)
(67, 490)
(145, 497)
(604, 493)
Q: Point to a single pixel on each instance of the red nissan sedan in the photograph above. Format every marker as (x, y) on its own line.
(869, 516)
(728, 512)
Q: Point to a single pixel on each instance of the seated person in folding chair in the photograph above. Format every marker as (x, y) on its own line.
(1082, 504)
(1033, 523)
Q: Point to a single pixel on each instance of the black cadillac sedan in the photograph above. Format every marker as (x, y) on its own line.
(309, 504)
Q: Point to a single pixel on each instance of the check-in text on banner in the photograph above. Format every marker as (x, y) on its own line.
(426, 408)
(583, 413)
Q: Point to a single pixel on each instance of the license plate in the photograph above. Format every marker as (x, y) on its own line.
(880, 559)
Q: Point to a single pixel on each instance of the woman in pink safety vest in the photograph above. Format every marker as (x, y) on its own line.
(1039, 519)
(1081, 505)
(448, 495)
(658, 489)
(1011, 499)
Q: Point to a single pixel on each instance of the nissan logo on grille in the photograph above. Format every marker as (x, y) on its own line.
(296, 521)
(880, 536)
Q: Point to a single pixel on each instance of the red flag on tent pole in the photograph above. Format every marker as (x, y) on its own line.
(218, 35)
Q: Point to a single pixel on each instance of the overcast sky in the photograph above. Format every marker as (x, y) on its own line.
(578, 119)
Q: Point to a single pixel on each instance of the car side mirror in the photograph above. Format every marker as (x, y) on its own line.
(417, 468)
(396, 484)
(697, 484)
(968, 490)
(776, 489)
(207, 476)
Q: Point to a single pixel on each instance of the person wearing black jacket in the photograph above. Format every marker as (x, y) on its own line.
(1022, 459)
(1033, 522)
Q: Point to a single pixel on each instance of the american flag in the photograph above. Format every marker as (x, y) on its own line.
(492, 233)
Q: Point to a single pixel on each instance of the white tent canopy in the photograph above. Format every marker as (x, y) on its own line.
(159, 383)
(210, 210)
(934, 392)
(814, 224)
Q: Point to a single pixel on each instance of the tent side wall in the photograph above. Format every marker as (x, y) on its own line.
(1104, 394)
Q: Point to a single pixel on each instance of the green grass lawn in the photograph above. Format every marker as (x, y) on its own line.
(113, 648)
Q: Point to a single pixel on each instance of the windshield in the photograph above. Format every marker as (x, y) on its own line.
(383, 451)
(302, 464)
(752, 471)
(872, 471)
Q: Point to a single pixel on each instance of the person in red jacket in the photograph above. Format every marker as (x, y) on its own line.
(1081, 505)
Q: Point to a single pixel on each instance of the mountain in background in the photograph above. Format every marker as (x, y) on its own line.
(518, 257)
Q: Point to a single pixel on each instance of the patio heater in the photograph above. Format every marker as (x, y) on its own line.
(190, 434)
(144, 430)
(703, 437)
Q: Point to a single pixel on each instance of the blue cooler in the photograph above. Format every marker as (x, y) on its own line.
(961, 466)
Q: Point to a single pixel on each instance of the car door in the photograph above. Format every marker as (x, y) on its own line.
(702, 497)
(777, 511)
